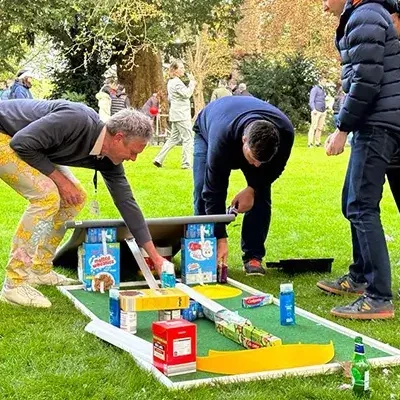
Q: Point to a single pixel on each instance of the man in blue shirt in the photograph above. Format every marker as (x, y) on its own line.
(251, 135)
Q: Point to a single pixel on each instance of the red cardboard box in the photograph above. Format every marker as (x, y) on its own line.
(174, 346)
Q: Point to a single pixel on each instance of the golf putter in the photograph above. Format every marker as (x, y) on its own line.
(148, 276)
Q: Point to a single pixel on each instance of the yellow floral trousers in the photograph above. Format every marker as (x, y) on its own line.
(41, 227)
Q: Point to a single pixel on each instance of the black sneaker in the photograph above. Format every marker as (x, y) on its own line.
(365, 308)
(253, 267)
(343, 285)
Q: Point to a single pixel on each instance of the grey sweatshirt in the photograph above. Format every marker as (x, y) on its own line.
(45, 133)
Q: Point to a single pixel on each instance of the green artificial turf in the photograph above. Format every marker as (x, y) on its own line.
(267, 318)
(46, 355)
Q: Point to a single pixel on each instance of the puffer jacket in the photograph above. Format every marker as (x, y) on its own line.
(370, 53)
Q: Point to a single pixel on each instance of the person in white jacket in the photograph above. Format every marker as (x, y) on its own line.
(104, 103)
(179, 116)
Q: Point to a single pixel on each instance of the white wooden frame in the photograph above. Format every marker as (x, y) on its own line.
(141, 350)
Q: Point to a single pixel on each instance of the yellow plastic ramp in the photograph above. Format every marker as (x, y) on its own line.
(265, 358)
(216, 292)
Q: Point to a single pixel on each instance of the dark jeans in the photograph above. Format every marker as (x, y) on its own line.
(372, 150)
(255, 222)
(393, 176)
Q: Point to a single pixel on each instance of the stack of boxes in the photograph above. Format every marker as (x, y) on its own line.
(99, 260)
(199, 254)
(174, 339)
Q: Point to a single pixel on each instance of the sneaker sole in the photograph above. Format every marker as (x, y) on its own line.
(253, 273)
(4, 300)
(339, 292)
(363, 316)
(34, 284)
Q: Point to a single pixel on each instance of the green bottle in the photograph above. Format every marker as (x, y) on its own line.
(360, 370)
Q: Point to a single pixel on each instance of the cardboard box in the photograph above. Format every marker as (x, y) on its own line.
(167, 315)
(99, 270)
(174, 347)
(194, 231)
(95, 235)
(153, 299)
(199, 261)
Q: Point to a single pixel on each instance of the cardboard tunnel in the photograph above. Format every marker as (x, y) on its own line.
(164, 231)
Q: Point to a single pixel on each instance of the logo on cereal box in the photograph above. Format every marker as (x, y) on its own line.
(201, 250)
(105, 260)
(193, 266)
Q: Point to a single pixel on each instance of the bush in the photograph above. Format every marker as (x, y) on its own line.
(74, 96)
(285, 84)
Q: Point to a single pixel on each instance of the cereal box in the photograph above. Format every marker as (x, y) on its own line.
(153, 299)
(174, 347)
(99, 266)
(199, 261)
(196, 231)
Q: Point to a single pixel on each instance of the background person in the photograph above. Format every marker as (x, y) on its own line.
(220, 91)
(179, 116)
(318, 113)
(21, 86)
(120, 101)
(104, 102)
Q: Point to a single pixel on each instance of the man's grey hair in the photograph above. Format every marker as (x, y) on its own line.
(132, 123)
(242, 86)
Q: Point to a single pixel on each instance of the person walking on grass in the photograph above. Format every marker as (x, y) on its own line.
(240, 132)
(367, 41)
(179, 116)
(38, 140)
(318, 113)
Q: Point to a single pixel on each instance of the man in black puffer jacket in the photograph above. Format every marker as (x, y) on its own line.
(370, 53)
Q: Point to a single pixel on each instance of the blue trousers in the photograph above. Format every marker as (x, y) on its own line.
(256, 222)
(372, 150)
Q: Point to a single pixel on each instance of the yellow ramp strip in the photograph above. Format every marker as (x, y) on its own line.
(265, 358)
(216, 292)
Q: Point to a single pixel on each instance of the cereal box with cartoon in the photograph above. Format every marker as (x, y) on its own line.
(199, 260)
(99, 266)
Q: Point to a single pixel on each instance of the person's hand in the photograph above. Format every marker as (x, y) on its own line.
(244, 200)
(69, 193)
(222, 250)
(158, 262)
(335, 143)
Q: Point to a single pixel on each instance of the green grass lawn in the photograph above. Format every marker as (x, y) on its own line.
(45, 354)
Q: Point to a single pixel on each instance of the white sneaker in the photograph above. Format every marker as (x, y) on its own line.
(24, 295)
(50, 279)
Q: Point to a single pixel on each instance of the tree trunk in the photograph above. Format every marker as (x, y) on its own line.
(144, 79)
(198, 96)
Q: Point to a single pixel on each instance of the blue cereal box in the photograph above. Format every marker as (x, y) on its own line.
(194, 231)
(95, 235)
(199, 260)
(99, 266)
